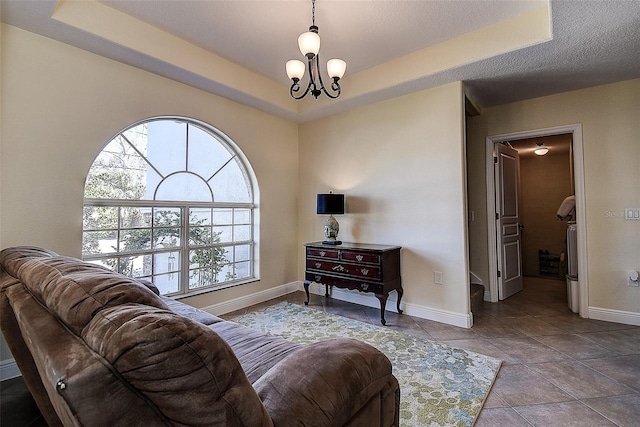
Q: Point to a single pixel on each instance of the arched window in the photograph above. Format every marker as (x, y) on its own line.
(171, 200)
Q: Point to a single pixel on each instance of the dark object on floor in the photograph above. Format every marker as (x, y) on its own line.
(549, 263)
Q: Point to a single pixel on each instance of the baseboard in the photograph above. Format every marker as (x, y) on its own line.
(369, 300)
(487, 295)
(9, 369)
(249, 300)
(616, 316)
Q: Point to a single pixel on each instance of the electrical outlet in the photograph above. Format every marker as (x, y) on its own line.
(437, 277)
(633, 278)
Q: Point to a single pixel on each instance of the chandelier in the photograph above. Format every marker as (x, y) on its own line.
(309, 44)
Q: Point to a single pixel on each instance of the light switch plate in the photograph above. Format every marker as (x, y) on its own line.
(437, 277)
(632, 214)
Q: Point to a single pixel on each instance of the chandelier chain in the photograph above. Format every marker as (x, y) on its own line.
(313, 12)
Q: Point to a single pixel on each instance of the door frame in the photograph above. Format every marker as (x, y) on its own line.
(578, 175)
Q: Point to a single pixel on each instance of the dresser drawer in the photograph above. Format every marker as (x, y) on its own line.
(323, 253)
(363, 257)
(356, 270)
(342, 282)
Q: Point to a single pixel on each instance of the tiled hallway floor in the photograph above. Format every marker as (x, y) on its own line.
(558, 370)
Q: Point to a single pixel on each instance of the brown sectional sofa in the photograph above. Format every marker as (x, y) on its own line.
(96, 348)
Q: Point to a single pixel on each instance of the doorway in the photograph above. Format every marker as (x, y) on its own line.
(546, 180)
(576, 183)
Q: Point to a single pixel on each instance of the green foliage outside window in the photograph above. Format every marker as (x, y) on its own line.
(118, 173)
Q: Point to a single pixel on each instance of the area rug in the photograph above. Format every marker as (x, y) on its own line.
(439, 385)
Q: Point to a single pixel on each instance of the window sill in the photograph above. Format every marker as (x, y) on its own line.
(197, 292)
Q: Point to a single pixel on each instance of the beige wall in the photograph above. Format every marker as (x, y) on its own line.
(611, 144)
(60, 105)
(400, 164)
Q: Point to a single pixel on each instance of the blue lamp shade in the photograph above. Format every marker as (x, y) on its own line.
(329, 204)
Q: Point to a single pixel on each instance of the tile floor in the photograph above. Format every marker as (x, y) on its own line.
(558, 370)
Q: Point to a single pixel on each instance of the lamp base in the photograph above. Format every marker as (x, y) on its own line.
(332, 242)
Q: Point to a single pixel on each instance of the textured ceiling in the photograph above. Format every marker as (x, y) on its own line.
(591, 43)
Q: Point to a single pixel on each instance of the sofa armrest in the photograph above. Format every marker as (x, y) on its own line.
(331, 383)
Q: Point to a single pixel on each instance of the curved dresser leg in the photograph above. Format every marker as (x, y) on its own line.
(306, 290)
(400, 292)
(383, 305)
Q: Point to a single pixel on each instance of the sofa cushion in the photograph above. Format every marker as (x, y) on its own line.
(183, 367)
(73, 290)
(80, 388)
(190, 312)
(257, 351)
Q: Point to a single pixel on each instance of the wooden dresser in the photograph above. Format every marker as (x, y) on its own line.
(365, 267)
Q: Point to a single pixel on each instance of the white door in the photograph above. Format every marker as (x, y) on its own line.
(509, 237)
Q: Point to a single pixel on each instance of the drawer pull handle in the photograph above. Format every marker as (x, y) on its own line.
(318, 264)
(338, 268)
(365, 271)
(364, 286)
(318, 279)
(322, 253)
(359, 257)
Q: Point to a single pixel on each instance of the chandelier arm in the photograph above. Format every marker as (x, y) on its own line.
(335, 82)
(312, 82)
(292, 91)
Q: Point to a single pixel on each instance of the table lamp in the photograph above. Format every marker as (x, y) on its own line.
(329, 204)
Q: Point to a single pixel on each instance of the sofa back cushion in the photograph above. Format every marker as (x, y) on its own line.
(73, 290)
(82, 390)
(180, 366)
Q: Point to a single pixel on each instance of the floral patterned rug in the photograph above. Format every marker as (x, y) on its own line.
(439, 385)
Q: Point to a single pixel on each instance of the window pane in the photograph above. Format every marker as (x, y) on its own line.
(168, 262)
(118, 172)
(167, 283)
(223, 234)
(135, 266)
(98, 217)
(223, 216)
(200, 277)
(199, 236)
(227, 274)
(242, 233)
(224, 254)
(184, 187)
(166, 146)
(206, 153)
(166, 217)
(243, 270)
(230, 184)
(99, 242)
(135, 217)
(242, 216)
(166, 238)
(200, 216)
(199, 258)
(242, 253)
(135, 240)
